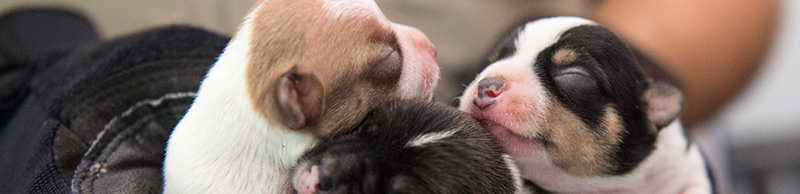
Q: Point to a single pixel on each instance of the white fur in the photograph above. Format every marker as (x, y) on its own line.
(538, 35)
(431, 138)
(222, 145)
(669, 169)
(518, 183)
(352, 8)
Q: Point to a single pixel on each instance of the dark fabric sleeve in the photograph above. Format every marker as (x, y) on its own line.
(76, 98)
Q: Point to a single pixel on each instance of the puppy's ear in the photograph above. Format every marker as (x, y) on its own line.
(299, 98)
(664, 103)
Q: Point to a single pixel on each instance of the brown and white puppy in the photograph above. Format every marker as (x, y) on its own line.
(571, 105)
(297, 71)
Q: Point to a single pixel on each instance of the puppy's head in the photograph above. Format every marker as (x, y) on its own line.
(409, 147)
(567, 92)
(320, 65)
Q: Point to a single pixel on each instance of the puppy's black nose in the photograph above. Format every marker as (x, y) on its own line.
(488, 90)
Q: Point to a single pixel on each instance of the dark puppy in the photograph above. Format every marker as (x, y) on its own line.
(410, 147)
(571, 105)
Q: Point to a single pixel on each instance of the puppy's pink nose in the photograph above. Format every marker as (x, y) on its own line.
(418, 39)
(488, 90)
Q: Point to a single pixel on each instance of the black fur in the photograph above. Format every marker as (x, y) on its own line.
(607, 75)
(506, 47)
(376, 158)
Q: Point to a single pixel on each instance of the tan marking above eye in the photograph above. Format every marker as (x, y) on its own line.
(564, 56)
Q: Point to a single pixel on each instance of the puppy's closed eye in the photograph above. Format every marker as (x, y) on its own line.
(387, 68)
(576, 81)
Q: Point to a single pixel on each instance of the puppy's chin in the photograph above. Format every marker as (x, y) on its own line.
(423, 85)
(421, 79)
(514, 143)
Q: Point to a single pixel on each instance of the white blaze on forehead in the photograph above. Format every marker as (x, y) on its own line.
(431, 138)
(538, 35)
(532, 39)
(353, 8)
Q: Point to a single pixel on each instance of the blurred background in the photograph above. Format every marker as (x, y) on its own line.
(739, 60)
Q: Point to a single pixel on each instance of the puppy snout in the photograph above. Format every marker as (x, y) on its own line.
(488, 90)
(346, 174)
(417, 39)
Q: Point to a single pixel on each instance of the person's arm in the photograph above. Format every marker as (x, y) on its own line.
(713, 47)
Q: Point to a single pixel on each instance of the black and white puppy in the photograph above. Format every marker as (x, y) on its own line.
(572, 107)
(410, 147)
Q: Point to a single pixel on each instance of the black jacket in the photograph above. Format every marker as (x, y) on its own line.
(96, 120)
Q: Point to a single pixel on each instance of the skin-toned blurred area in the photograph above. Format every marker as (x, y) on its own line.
(714, 48)
(736, 60)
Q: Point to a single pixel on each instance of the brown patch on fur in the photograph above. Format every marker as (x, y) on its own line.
(564, 56)
(338, 51)
(577, 149)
